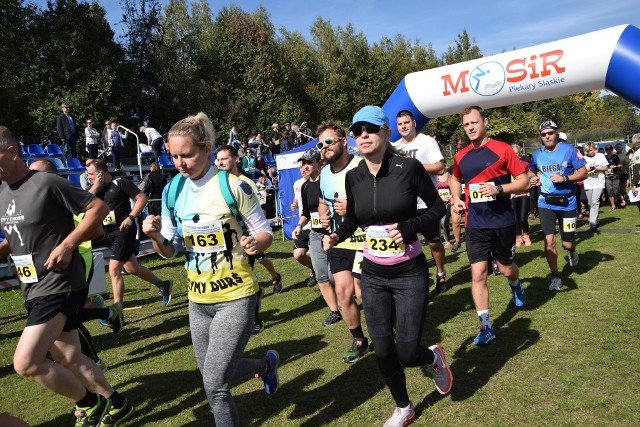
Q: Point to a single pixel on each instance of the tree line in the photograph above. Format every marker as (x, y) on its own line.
(237, 67)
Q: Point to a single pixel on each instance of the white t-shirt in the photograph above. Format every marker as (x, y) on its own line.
(596, 178)
(151, 134)
(297, 186)
(426, 150)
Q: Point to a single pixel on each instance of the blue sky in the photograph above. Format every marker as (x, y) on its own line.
(495, 25)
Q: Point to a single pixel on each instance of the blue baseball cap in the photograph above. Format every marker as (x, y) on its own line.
(371, 114)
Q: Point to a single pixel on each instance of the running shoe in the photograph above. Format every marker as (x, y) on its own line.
(440, 371)
(532, 215)
(358, 348)
(270, 379)
(593, 228)
(312, 282)
(117, 318)
(573, 257)
(115, 417)
(165, 291)
(455, 247)
(485, 336)
(257, 328)
(98, 301)
(333, 317)
(556, 283)
(517, 291)
(401, 417)
(441, 282)
(277, 284)
(90, 417)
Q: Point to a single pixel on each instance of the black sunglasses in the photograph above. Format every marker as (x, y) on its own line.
(365, 127)
(329, 141)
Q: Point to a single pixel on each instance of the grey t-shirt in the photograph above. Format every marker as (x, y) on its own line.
(36, 216)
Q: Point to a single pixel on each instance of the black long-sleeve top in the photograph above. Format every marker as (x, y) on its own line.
(388, 198)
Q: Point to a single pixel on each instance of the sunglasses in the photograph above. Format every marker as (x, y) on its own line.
(543, 134)
(365, 127)
(329, 141)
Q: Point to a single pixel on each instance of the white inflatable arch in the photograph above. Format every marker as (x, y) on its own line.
(607, 59)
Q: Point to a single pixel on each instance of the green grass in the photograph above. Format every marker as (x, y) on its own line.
(567, 359)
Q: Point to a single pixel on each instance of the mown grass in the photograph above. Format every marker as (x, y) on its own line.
(569, 358)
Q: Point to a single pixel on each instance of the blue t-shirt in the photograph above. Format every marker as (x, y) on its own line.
(564, 161)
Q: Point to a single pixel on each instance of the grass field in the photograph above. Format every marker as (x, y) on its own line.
(567, 359)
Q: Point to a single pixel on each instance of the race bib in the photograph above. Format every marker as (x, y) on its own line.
(357, 262)
(25, 268)
(204, 238)
(569, 224)
(110, 219)
(477, 197)
(315, 221)
(593, 173)
(381, 245)
(444, 192)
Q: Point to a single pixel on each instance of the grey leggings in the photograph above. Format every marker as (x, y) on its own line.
(220, 333)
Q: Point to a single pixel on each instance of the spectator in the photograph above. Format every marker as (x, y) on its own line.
(116, 144)
(285, 142)
(233, 135)
(152, 185)
(612, 176)
(274, 140)
(304, 134)
(154, 139)
(91, 139)
(67, 131)
(249, 165)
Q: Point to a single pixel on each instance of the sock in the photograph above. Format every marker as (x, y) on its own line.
(512, 283)
(440, 274)
(555, 274)
(571, 251)
(156, 281)
(117, 400)
(88, 401)
(483, 315)
(358, 333)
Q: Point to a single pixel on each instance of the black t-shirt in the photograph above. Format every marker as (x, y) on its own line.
(116, 195)
(36, 216)
(157, 185)
(310, 195)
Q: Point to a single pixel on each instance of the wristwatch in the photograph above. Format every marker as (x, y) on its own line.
(499, 188)
(132, 218)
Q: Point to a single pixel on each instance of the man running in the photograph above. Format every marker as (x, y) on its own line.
(486, 165)
(426, 150)
(37, 219)
(558, 166)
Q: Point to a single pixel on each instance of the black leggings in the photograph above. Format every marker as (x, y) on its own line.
(405, 296)
(445, 222)
(521, 210)
(534, 193)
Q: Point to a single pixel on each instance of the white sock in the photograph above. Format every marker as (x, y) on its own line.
(483, 315)
(512, 282)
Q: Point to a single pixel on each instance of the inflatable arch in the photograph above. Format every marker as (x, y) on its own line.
(607, 58)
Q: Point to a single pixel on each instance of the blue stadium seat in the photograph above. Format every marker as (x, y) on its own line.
(74, 178)
(268, 159)
(74, 164)
(166, 162)
(58, 164)
(53, 150)
(25, 153)
(35, 150)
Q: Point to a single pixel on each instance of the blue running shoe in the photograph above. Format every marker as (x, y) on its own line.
(270, 379)
(519, 297)
(484, 336)
(166, 286)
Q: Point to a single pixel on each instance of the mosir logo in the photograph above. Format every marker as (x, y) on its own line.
(490, 78)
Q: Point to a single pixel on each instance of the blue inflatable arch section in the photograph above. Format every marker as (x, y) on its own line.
(607, 59)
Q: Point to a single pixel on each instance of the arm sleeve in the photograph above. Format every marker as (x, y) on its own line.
(436, 209)
(305, 204)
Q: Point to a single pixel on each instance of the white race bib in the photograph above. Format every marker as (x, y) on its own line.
(381, 245)
(476, 196)
(110, 219)
(357, 262)
(25, 268)
(444, 192)
(315, 221)
(206, 237)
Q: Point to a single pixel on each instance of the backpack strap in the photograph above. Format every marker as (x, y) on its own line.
(175, 187)
(223, 178)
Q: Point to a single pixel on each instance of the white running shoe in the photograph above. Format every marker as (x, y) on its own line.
(556, 284)
(573, 260)
(401, 417)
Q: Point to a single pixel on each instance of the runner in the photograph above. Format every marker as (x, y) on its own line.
(558, 166)
(301, 243)
(382, 194)
(487, 165)
(596, 166)
(333, 142)
(37, 218)
(222, 293)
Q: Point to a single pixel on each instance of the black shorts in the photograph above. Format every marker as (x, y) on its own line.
(42, 309)
(566, 219)
(302, 242)
(123, 244)
(484, 243)
(432, 232)
(341, 260)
